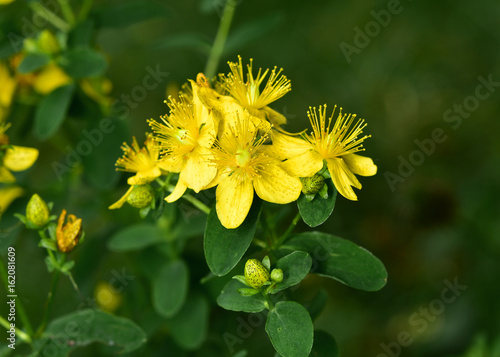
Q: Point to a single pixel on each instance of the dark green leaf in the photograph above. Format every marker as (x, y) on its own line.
(229, 299)
(135, 237)
(318, 210)
(128, 13)
(81, 62)
(225, 247)
(290, 329)
(52, 110)
(33, 61)
(317, 304)
(324, 345)
(190, 325)
(87, 326)
(170, 288)
(341, 260)
(295, 267)
(81, 34)
(247, 291)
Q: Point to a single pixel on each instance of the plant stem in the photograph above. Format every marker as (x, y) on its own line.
(20, 333)
(85, 9)
(220, 39)
(67, 11)
(41, 10)
(285, 235)
(48, 304)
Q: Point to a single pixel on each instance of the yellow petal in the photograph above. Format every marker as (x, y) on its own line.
(122, 200)
(304, 165)
(343, 178)
(6, 176)
(275, 185)
(177, 193)
(274, 117)
(171, 164)
(360, 165)
(199, 170)
(19, 158)
(50, 78)
(7, 195)
(233, 201)
(286, 146)
(8, 87)
(143, 177)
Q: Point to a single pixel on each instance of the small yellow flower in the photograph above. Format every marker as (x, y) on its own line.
(244, 165)
(185, 138)
(8, 195)
(68, 234)
(107, 297)
(248, 94)
(337, 146)
(7, 92)
(49, 78)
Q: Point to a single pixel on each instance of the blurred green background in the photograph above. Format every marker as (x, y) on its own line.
(437, 221)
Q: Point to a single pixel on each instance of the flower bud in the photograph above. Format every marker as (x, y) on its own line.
(312, 185)
(277, 275)
(37, 212)
(256, 274)
(141, 196)
(68, 234)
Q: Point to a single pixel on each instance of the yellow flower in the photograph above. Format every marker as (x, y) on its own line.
(244, 165)
(107, 297)
(337, 146)
(7, 195)
(68, 234)
(49, 78)
(7, 91)
(248, 94)
(142, 161)
(185, 137)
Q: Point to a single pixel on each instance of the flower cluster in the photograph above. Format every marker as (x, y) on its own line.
(227, 136)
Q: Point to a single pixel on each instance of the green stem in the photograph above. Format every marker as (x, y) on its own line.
(67, 11)
(285, 235)
(41, 10)
(19, 333)
(75, 286)
(85, 9)
(193, 200)
(48, 304)
(20, 307)
(220, 39)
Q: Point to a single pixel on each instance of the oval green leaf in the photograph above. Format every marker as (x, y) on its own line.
(170, 288)
(82, 62)
(295, 267)
(230, 299)
(135, 237)
(190, 324)
(324, 345)
(52, 110)
(341, 260)
(318, 210)
(225, 247)
(290, 329)
(33, 61)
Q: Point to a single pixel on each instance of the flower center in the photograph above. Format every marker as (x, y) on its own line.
(242, 157)
(181, 135)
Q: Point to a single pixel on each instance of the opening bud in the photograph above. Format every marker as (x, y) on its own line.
(277, 275)
(256, 274)
(37, 212)
(312, 185)
(141, 196)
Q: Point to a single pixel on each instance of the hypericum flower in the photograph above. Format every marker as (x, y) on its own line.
(7, 195)
(244, 165)
(185, 138)
(248, 94)
(337, 146)
(68, 234)
(107, 297)
(7, 93)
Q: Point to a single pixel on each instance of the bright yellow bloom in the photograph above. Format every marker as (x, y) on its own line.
(107, 297)
(49, 78)
(185, 138)
(68, 234)
(7, 195)
(337, 146)
(248, 94)
(244, 166)
(141, 161)
(7, 91)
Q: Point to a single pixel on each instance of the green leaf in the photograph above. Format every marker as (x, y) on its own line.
(87, 326)
(295, 268)
(318, 210)
(190, 325)
(225, 247)
(317, 304)
(128, 13)
(324, 345)
(135, 237)
(170, 288)
(247, 291)
(229, 299)
(290, 329)
(82, 62)
(32, 62)
(52, 110)
(341, 260)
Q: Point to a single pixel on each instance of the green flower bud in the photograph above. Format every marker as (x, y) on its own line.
(141, 196)
(277, 275)
(37, 212)
(312, 185)
(256, 274)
